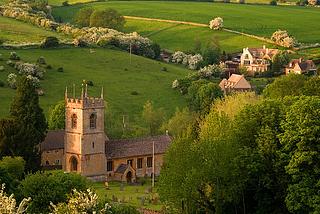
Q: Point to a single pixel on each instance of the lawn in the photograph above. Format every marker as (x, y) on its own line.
(128, 191)
(17, 32)
(259, 20)
(110, 69)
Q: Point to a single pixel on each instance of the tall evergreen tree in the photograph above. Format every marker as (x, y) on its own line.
(28, 117)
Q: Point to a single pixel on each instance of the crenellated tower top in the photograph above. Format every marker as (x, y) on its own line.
(84, 101)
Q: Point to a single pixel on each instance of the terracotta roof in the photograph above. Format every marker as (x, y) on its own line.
(137, 146)
(54, 140)
(122, 168)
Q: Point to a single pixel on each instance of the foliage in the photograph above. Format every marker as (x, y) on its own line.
(12, 80)
(29, 118)
(60, 69)
(31, 69)
(273, 2)
(152, 118)
(112, 126)
(82, 19)
(41, 60)
(282, 38)
(1, 83)
(216, 24)
(107, 18)
(14, 166)
(53, 186)
(14, 56)
(50, 42)
(179, 123)
(57, 117)
(8, 204)
(187, 60)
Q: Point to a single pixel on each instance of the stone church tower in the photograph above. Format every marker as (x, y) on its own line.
(84, 141)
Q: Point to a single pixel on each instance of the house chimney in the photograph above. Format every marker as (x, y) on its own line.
(264, 47)
(300, 60)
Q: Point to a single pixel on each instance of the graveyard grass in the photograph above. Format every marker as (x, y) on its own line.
(129, 191)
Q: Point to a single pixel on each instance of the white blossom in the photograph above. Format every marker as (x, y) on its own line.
(216, 24)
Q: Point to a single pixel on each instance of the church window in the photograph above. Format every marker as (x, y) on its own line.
(93, 121)
(57, 161)
(149, 161)
(47, 162)
(56, 151)
(129, 162)
(74, 164)
(110, 166)
(139, 163)
(92, 144)
(48, 151)
(74, 121)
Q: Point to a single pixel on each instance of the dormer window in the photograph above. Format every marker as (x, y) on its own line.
(74, 121)
(93, 121)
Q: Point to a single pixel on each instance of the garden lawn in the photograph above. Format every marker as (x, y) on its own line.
(128, 191)
(259, 20)
(110, 69)
(20, 33)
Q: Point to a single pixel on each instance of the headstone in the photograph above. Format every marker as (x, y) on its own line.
(139, 198)
(163, 209)
(113, 198)
(155, 200)
(150, 189)
(121, 187)
(142, 201)
(136, 190)
(130, 198)
(116, 199)
(122, 199)
(149, 201)
(148, 197)
(156, 195)
(146, 191)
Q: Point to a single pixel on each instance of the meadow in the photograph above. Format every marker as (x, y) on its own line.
(259, 20)
(110, 69)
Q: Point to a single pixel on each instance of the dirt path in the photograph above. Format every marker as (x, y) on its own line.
(202, 25)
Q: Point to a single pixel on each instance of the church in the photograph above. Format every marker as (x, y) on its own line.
(83, 147)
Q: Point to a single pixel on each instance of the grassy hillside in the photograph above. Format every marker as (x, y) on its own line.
(110, 69)
(13, 31)
(259, 20)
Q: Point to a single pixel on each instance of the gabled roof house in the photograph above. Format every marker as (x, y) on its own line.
(301, 66)
(235, 83)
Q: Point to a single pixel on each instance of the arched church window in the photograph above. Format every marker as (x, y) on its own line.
(74, 121)
(93, 121)
(74, 164)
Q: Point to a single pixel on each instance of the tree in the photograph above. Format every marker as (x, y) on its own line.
(206, 96)
(46, 187)
(197, 45)
(211, 54)
(153, 118)
(57, 116)
(311, 87)
(11, 172)
(216, 24)
(28, 117)
(107, 18)
(82, 19)
(276, 64)
(50, 42)
(179, 123)
(113, 127)
(282, 38)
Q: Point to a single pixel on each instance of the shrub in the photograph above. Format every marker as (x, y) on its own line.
(41, 60)
(282, 38)
(35, 81)
(50, 42)
(201, 64)
(2, 68)
(164, 69)
(12, 80)
(41, 93)
(142, 181)
(134, 93)
(60, 69)
(14, 56)
(90, 83)
(1, 83)
(65, 3)
(9, 62)
(216, 24)
(273, 2)
(1, 57)
(48, 67)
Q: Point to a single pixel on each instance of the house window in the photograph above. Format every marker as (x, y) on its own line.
(92, 144)
(129, 162)
(56, 151)
(311, 65)
(93, 120)
(110, 166)
(47, 162)
(139, 163)
(48, 151)
(266, 62)
(57, 162)
(246, 56)
(247, 62)
(74, 121)
(149, 161)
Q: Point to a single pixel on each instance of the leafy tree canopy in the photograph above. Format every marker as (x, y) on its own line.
(107, 18)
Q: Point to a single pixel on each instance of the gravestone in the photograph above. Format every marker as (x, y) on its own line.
(163, 209)
(142, 201)
(149, 201)
(155, 200)
(122, 199)
(150, 189)
(113, 197)
(148, 198)
(146, 191)
(121, 187)
(136, 190)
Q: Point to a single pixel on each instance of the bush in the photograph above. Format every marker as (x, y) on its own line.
(134, 93)
(50, 42)
(41, 93)
(1, 83)
(142, 181)
(48, 67)
(60, 69)
(1, 57)
(90, 83)
(201, 64)
(41, 60)
(164, 69)
(2, 68)
(65, 3)
(14, 56)
(12, 80)
(273, 2)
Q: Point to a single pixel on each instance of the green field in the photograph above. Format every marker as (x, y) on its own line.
(17, 32)
(110, 69)
(259, 20)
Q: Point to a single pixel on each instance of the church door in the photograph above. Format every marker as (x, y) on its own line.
(74, 164)
(129, 176)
